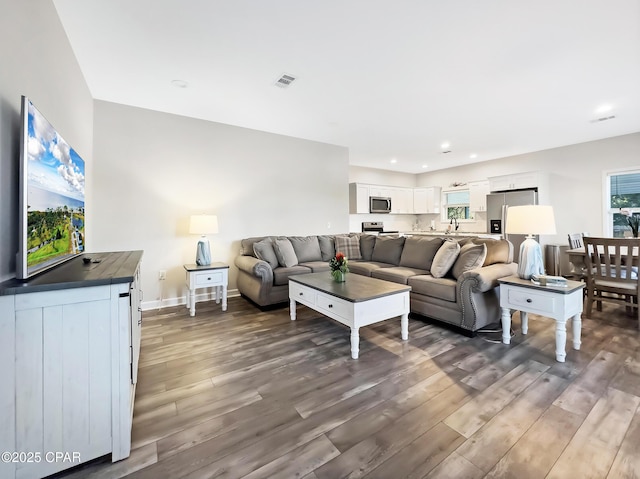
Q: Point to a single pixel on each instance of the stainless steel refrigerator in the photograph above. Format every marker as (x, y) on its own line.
(497, 205)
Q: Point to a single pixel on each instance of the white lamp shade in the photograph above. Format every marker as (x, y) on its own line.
(531, 220)
(203, 224)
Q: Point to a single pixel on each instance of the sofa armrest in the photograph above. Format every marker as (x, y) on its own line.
(255, 267)
(486, 278)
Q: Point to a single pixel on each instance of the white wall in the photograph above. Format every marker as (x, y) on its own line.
(36, 60)
(153, 170)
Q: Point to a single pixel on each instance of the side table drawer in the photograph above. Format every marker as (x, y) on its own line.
(208, 278)
(302, 294)
(543, 303)
(333, 305)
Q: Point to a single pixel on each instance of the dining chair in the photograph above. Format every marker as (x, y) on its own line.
(612, 272)
(577, 270)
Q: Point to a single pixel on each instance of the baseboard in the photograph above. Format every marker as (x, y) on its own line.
(182, 300)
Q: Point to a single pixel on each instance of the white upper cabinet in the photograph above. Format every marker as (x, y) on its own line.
(402, 201)
(358, 198)
(517, 181)
(426, 200)
(478, 191)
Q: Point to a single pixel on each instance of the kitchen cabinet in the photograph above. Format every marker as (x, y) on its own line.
(517, 181)
(358, 198)
(402, 200)
(69, 346)
(426, 200)
(381, 191)
(478, 191)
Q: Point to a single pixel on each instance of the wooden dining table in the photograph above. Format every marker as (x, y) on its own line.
(577, 256)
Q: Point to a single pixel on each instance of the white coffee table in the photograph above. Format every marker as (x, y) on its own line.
(359, 301)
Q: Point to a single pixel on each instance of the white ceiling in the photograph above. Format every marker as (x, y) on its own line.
(388, 79)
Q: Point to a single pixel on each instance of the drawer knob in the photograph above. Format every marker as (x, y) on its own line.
(301, 294)
(529, 300)
(331, 305)
(209, 279)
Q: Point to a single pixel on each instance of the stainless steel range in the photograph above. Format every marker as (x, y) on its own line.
(375, 227)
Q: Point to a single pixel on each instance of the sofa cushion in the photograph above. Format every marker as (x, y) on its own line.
(444, 258)
(418, 251)
(327, 247)
(498, 251)
(388, 249)
(307, 248)
(281, 275)
(316, 266)
(285, 252)
(442, 288)
(366, 267)
(264, 250)
(397, 274)
(349, 245)
(471, 256)
(367, 243)
(246, 245)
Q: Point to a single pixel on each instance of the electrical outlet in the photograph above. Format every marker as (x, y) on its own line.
(162, 275)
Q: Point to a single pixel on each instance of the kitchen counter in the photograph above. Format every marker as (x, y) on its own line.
(457, 234)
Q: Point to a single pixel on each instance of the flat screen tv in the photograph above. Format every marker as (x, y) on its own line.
(52, 221)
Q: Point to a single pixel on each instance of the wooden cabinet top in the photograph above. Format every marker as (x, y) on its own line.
(102, 269)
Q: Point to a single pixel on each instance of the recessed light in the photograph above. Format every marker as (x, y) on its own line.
(473, 155)
(425, 166)
(445, 145)
(179, 83)
(393, 160)
(604, 109)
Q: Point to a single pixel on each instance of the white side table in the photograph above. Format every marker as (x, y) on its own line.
(557, 302)
(215, 275)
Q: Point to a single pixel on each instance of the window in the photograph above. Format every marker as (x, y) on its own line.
(456, 205)
(623, 197)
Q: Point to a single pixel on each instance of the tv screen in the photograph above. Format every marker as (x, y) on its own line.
(52, 222)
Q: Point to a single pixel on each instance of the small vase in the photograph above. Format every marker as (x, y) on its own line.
(339, 276)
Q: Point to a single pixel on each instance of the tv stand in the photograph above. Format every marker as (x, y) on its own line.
(69, 348)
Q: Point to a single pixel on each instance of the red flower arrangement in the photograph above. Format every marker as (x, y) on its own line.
(339, 266)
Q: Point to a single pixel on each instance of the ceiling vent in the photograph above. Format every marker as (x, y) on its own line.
(285, 80)
(604, 118)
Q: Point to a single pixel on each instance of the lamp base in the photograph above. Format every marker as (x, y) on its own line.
(203, 253)
(530, 261)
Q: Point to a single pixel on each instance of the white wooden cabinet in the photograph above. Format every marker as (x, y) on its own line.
(358, 198)
(383, 191)
(426, 200)
(478, 191)
(69, 362)
(516, 181)
(401, 200)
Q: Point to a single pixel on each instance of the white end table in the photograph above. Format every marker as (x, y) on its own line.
(557, 302)
(214, 275)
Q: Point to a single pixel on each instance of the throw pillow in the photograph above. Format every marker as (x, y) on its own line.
(498, 251)
(327, 247)
(307, 248)
(349, 245)
(285, 253)
(471, 256)
(367, 243)
(388, 249)
(418, 252)
(264, 251)
(444, 258)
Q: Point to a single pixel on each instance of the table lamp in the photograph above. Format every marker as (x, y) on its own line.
(530, 220)
(203, 225)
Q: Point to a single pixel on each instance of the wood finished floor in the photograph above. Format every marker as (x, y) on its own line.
(247, 393)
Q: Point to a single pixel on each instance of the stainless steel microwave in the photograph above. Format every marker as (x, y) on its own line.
(379, 204)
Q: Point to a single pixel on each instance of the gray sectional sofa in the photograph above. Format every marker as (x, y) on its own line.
(454, 280)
